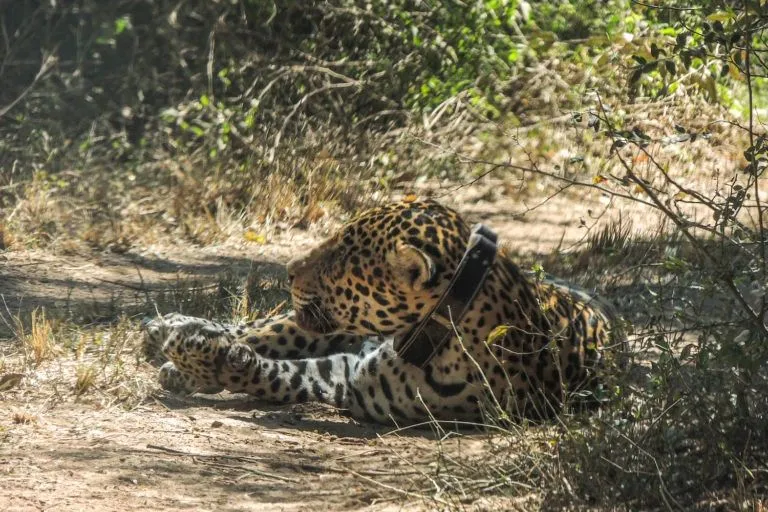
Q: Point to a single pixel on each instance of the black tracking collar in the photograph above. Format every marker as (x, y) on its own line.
(423, 341)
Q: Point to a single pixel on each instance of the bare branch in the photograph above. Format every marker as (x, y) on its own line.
(49, 61)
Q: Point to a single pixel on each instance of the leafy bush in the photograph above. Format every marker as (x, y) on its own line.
(126, 80)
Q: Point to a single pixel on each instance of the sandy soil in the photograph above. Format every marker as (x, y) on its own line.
(59, 451)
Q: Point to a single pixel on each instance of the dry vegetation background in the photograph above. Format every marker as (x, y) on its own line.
(171, 156)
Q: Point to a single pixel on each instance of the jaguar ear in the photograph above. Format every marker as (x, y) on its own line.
(411, 265)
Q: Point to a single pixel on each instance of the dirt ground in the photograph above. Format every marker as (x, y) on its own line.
(101, 451)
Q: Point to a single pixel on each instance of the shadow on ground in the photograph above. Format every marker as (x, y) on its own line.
(308, 417)
(98, 289)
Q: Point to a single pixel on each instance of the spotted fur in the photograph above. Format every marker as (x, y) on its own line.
(525, 346)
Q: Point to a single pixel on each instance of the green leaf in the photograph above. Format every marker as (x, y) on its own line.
(686, 57)
(721, 16)
(497, 334)
(647, 68)
(105, 41)
(250, 120)
(122, 24)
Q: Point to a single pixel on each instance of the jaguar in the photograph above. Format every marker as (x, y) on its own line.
(527, 346)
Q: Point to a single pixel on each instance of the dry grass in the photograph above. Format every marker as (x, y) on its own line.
(39, 215)
(38, 338)
(6, 237)
(107, 361)
(103, 362)
(183, 199)
(189, 199)
(85, 378)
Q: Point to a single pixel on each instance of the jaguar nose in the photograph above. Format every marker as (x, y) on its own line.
(314, 318)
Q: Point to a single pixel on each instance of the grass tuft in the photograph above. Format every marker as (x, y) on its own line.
(85, 378)
(38, 341)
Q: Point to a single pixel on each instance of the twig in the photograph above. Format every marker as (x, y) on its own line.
(32, 264)
(300, 103)
(258, 472)
(239, 458)
(161, 404)
(141, 278)
(174, 452)
(665, 7)
(408, 494)
(683, 226)
(124, 285)
(147, 290)
(753, 161)
(45, 66)
(534, 169)
(211, 58)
